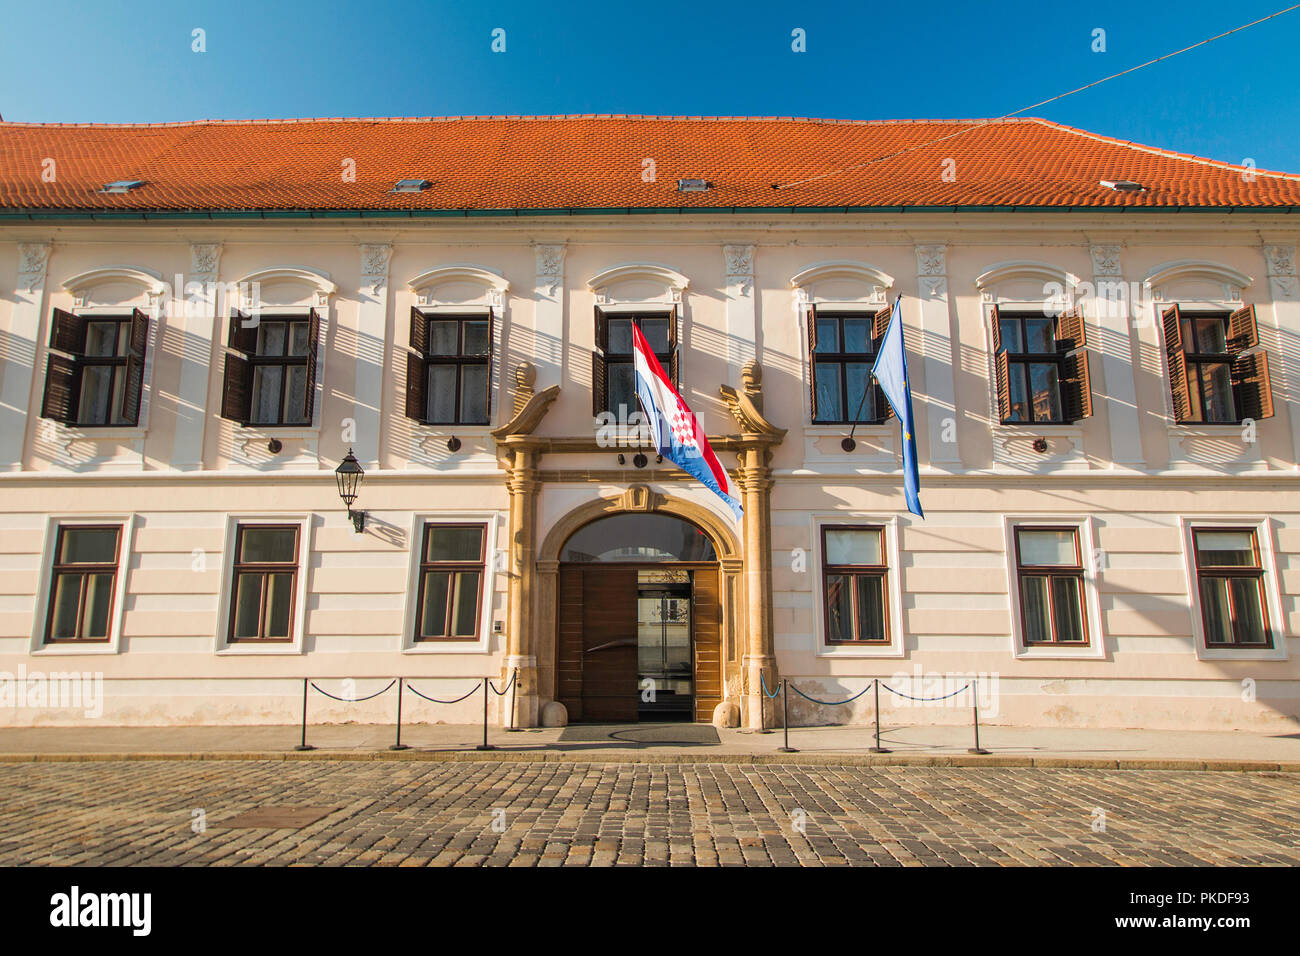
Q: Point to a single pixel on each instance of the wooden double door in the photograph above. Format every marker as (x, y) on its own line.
(612, 620)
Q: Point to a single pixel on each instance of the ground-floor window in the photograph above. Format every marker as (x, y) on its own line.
(855, 582)
(83, 581)
(265, 579)
(1050, 576)
(450, 582)
(1230, 579)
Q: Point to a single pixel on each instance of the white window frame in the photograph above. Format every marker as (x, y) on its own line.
(1086, 525)
(893, 581)
(494, 558)
(222, 646)
(41, 610)
(1263, 527)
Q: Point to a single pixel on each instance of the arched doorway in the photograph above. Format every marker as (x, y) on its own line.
(638, 620)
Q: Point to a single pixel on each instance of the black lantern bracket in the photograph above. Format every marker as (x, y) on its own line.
(348, 475)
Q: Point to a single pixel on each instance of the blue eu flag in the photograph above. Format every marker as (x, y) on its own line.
(890, 372)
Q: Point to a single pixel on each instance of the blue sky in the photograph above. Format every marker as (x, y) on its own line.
(118, 62)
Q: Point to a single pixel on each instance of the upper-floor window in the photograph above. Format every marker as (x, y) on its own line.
(612, 378)
(99, 378)
(1050, 576)
(855, 579)
(1214, 377)
(1230, 578)
(271, 377)
(842, 348)
(1042, 367)
(449, 368)
(83, 582)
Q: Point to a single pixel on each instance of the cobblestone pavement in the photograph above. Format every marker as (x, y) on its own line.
(542, 814)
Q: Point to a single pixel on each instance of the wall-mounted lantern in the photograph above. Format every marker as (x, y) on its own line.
(349, 474)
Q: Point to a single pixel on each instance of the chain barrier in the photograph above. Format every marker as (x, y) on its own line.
(353, 700)
(510, 683)
(434, 700)
(899, 693)
(830, 703)
(763, 680)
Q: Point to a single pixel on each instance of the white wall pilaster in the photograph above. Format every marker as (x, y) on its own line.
(1114, 316)
(742, 325)
(1284, 290)
(937, 354)
(197, 308)
(372, 323)
(16, 394)
(548, 314)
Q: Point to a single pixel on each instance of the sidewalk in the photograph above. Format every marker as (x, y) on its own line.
(672, 743)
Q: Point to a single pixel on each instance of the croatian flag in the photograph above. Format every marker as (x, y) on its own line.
(673, 426)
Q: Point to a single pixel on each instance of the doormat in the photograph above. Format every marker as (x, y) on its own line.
(642, 735)
(277, 818)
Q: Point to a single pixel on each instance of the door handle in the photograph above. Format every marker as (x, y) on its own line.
(625, 642)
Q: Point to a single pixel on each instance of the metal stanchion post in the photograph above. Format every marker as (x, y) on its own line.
(975, 713)
(514, 692)
(877, 749)
(401, 683)
(762, 705)
(303, 745)
(785, 717)
(485, 745)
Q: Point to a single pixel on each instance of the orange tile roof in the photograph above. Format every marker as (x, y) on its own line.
(497, 163)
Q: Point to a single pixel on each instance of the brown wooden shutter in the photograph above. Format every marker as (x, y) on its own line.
(1243, 330)
(242, 336)
(812, 358)
(673, 371)
(1003, 376)
(880, 325)
(1254, 389)
(673, 365)
(884, 411)
(602, 331)
(997, 330)
(419, 331)
(1070, 333)
(134, 386)
(68, 332)
(487, 384)
(313, 348)
(599, 384)
(237, 393)
(1076, 387)
(62, 389)
(417, 383)
(1173, 324)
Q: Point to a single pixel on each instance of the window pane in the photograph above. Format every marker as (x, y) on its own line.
(451, 543)
(248, 604)
(96, 395)
(279, 603)
(433, 610)
(1216, 386)
(1249, 610)
(1040, 335)
(268, 545)
(871, 608)
(473, 394)
(1045, 387)
(854, 546)
(295, 402)
(270, 338)
(828, 335)
(622, 390)
(465, 613)
(1215, 609)
(857, 335)
(1225, 549)
(101, 338)
(1033, 593)
(829, 403)
(476, 339)
(1211, 335)
(443, 337)
(298, 338)
(620, 336)
(99, 598)
(839, 609)
(67, 597)
(88, 546)
(861, 394)
(656, 334)
(115, 396)
(1019, 397)
(1067, 609)
(266, 394)
(442, 393)
(1009, 329)
(1047, 548)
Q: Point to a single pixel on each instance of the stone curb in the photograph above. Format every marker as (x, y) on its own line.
(642, 757)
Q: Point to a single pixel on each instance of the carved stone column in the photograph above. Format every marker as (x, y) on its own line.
(521, 652)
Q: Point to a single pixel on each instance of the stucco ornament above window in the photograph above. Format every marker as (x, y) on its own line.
(460, 283)
(1165, 276)
(638, 282)
(842, 280)
(251, 285)
(1055, 282)
(82, 285)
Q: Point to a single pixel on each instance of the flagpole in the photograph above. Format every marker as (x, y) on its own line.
(848, 444)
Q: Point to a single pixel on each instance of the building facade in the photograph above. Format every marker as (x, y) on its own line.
(1104, 349)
